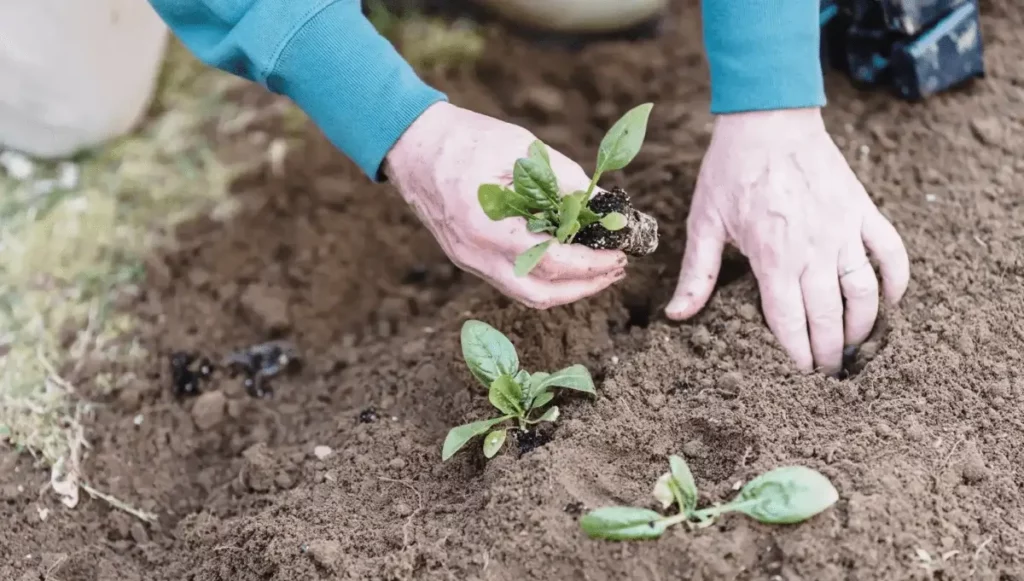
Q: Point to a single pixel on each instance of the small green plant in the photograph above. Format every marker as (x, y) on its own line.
(785, 495)
(516, 393)
(535, 196)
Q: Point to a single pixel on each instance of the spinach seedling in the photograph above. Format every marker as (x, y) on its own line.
(606, 220)
(518, 394)
(785, 495)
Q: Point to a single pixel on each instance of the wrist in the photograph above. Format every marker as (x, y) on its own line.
(772, 126)
(420, 143)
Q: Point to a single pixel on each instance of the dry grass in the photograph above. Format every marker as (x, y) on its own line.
(67, 252)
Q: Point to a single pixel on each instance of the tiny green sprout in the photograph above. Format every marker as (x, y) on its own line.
(519, 395)
(785, 495)
(536, 196)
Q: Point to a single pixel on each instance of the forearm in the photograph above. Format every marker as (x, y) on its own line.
(763, 54)
(323, 54)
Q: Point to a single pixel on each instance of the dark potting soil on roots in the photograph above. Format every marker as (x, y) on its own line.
(923, 442)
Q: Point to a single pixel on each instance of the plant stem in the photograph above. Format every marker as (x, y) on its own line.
(590, 188)
(708, 513)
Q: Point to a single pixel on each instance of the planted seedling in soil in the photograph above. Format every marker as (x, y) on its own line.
(519, 395)
(604, 221)
(785, 495)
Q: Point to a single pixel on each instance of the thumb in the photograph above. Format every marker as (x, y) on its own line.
(705, 242)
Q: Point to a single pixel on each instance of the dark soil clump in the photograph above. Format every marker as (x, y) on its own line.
(638, 238)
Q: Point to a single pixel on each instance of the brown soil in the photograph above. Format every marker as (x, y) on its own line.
(924, 444)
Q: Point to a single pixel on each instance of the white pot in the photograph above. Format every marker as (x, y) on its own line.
(577, 16)
(75, 73)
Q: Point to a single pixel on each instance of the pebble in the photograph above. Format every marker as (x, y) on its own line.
(322, 452)
(694, 449)
(209, 409)
(656, 400)
(268, 306)
(397, 463)
(988, 130)
(402, 509)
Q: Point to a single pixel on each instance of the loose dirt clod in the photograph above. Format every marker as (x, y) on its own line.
(638, 238)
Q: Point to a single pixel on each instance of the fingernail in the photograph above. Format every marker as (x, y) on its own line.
(677, 307)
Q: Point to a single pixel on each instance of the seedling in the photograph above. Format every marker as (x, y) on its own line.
(518, 394)
(606, 220)
(785, 495)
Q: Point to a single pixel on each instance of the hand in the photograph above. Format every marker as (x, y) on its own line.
(776, 186)
(438, 166)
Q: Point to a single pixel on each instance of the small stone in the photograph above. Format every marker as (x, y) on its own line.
(694, 449)
(326, 553)
(397, 463)
(209, 409)
(402, 509)
(139, 534)
(988, 130)
(268, 306)
(322, 452)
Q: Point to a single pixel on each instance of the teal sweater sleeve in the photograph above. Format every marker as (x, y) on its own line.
(763, 54)
(323, 54)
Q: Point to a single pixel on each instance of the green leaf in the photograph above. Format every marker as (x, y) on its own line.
(493, 442)
(620, 523)
(540, 225)
(542, 400)
(687, 487)
(506, 395)
(526, 261)
(523, 377)
(460, 435)
(623, 141)
(538, 151)
(588, 217)
(550, 416)
(786, 495)
(614, 221)
(568, 215)
(500, 203)
(576, 377)
(487, 352)
(535, 180)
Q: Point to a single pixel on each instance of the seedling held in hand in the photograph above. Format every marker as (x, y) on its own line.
(786, 495)
(607, 220)
(519, 395)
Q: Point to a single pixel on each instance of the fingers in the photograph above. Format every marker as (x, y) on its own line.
(565, 262)
(860, 289)
(540, 294)
(783, 303)
(822, 299)
(886, 245)
(705, 242)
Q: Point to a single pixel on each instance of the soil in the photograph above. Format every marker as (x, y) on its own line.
(639, 237)
(338, 475)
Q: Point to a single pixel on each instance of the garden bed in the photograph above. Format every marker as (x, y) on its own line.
(923, 443)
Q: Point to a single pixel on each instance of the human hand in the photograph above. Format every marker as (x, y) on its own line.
(775, 185)
(439, 164)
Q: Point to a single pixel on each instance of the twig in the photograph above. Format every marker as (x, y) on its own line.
(419, 507)
(977, 553)
(949, 456)
(137, 513)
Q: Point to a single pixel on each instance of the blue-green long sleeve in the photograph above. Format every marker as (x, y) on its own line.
(323, 54)
(763, 54)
